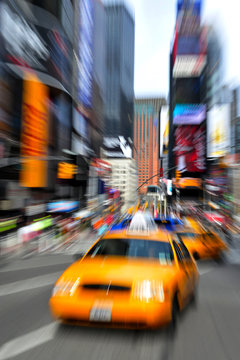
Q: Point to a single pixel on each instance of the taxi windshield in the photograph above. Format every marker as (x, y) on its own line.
(133, 248)
(187, 236)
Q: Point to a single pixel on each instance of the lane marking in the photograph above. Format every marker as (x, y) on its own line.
(204, 271)
(28, 341)
(29, 284)
(23, 266)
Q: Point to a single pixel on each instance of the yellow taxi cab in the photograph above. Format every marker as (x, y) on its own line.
(139, 277)
(203, 242)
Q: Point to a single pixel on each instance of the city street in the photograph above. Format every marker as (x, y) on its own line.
(208, 329)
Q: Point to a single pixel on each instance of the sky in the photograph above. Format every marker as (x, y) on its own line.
(154, 28)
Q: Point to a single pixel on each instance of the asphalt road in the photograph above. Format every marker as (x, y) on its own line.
(208, 330)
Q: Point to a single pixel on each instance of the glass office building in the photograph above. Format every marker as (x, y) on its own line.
(120, 71)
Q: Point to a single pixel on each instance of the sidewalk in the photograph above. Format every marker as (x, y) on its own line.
(69, 243)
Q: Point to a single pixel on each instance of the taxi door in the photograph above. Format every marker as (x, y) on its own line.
(190, 264)
(185, 281)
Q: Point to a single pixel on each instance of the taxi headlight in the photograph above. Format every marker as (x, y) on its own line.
(65, 288)
(147, 290)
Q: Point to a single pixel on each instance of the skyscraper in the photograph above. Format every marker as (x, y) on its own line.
(146, 139)
(120, 71)
(188, 108)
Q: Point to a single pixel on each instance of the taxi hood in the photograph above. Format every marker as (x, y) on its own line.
(118, 269)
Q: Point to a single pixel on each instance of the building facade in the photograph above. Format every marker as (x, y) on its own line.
(36, 48)
(124, 179)
(146, 140)
(120, 71)
(188, 103)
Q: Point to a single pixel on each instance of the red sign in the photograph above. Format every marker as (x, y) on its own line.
(190, 148)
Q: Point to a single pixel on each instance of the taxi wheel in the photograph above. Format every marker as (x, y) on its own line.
(194, 298)
(220, 259)
(175, 311)
(196, 256)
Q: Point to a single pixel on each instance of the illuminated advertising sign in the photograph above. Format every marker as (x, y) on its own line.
(66, 170)
(218, 130)
(189, 65)
(85, 52)
(34, 134)
(62, 206)
(164, 130)
(190, 148)
(117, 147)
(190, 114)
(184, 183)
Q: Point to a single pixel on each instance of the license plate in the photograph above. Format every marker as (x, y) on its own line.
(101, 313)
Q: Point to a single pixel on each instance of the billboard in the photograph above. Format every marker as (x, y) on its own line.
(34, 133)
(117, 147)
(189, 65)
(164, 130)
(85, 52)
(218, 130)
(189, 148)
(189, 114)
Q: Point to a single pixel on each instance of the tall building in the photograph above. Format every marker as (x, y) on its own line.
(146, 139)
(45, 31)
(120, 71)
(188, 108)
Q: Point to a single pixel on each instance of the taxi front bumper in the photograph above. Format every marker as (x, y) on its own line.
(128, 313)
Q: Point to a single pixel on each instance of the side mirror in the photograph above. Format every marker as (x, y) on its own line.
(78, 256)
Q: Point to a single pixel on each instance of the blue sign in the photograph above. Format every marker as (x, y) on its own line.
(194, 5)
(189, 114)
(62, 206)
(85, 53)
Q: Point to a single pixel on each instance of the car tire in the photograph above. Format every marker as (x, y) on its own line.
(174, 315)
(220, 259)
(196, 256)
(194, 298)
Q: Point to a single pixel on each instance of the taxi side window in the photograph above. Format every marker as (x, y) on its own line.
(178, 252)
(185, 251)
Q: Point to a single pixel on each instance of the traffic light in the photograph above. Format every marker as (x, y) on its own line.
(161, 172)
(177, 174)
(66, 170)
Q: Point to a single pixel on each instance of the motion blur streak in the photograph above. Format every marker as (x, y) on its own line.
(119, 179)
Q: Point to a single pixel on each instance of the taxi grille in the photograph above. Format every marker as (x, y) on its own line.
(106, 287)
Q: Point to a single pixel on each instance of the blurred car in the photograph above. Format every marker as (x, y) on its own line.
(123, 224)
(138, 277)
(201, 241)
(169, 223)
